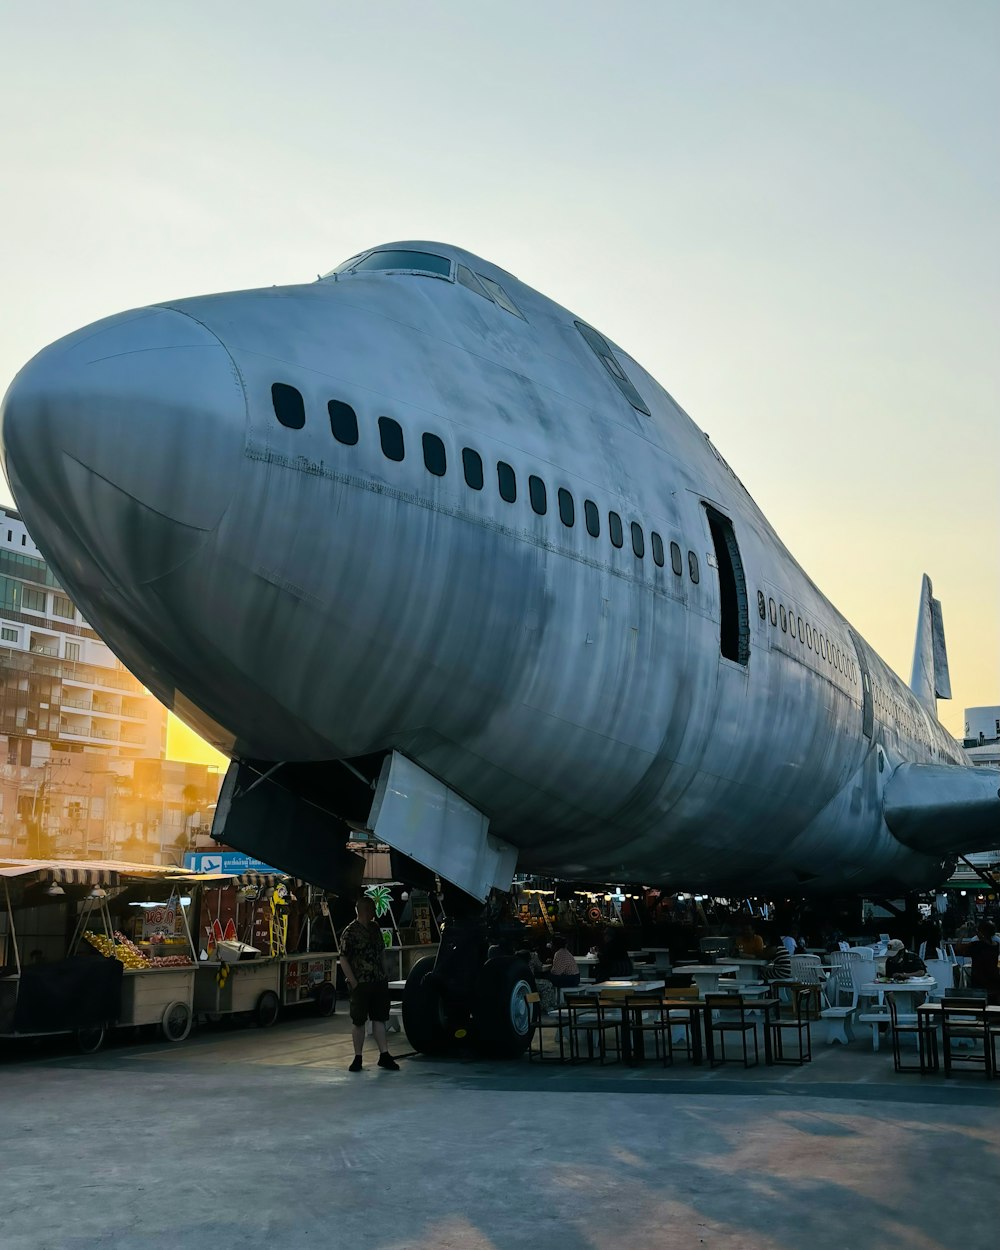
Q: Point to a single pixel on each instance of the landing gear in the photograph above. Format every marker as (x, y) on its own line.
(472, 991)
(425, 1020)
(503, 1014)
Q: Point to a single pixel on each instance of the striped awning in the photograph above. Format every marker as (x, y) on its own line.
(80, 872)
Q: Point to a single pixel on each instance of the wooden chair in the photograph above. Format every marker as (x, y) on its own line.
(799, 1021)
(542, 1022)
(926, 1036)
(741, 1025)
(647, 1017)
(966, 1019)
(687, 1018)
(595, 1018)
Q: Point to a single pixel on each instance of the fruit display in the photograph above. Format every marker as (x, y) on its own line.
(169, 961)
(122, 949)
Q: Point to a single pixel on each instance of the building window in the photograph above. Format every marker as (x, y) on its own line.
(391, 437)
(693, 568)
(615, 529)
(536, 493)
(567, 512)
(506, 481)
(638, 542)
(472, 463)
(288, 406)
(32, 600)
(435, 460)
(343, 422)
(61, 606)
(72, 651)
(7, 634)
(657, 544)
(675, 559)
(592, 518)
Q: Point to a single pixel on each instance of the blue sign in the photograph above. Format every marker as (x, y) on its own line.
(232, 863)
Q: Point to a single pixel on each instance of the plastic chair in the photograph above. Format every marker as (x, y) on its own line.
(925, 1034)
(808, 970)
(799, 1021)
(741, 1025)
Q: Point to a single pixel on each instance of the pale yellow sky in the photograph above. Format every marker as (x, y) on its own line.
(788, 213)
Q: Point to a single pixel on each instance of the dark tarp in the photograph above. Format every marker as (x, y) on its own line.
(77, 993)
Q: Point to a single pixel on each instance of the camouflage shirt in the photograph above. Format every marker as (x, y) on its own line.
(362, 946)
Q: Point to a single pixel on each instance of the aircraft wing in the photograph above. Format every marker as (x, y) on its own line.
(943, 809)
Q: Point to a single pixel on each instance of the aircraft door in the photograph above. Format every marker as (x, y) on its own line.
(867, 709)
(734, 628)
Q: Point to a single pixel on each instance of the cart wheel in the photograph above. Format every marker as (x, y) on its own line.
(266, 1011)
(326, 999)
(88, 1041)
(176, 1021)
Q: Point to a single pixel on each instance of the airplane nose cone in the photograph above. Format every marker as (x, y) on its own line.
(122, 444)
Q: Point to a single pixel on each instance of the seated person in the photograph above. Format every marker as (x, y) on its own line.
(903, 963)
(984, 973)
(779, 967)
(547, 992)
(750, 944)
(563, 972)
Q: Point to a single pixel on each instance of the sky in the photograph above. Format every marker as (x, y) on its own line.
(787, 212)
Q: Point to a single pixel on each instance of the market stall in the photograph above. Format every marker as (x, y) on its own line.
(69, 967)
(258, 935)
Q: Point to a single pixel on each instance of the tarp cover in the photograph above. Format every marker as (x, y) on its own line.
(77, 993)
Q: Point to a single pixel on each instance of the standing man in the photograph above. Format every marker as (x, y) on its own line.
(361, 959)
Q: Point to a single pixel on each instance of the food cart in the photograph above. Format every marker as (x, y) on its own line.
(57, 919)
(247, 969)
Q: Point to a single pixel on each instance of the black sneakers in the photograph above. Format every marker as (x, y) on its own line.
(385, 1060)
(355, 1064)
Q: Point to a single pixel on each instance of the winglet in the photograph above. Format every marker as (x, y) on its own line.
(930, 680)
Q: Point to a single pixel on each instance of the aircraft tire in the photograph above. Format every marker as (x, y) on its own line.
(423, 1012)
(504, 1026)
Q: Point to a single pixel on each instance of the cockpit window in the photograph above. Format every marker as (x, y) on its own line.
(500, 295)
(602, 350)
(466, 277)
(412, 262)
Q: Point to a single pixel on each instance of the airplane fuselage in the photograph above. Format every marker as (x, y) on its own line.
(667, 699)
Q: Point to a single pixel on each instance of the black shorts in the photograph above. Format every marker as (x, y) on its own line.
(370, 1001)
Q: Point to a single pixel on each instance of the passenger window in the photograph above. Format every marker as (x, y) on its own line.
(784, 620)
(435, 460)
(693, 568)
(343, 422)
(567, 513)
(288, 406)
(604, 353)
(772, 607)
(615, 529)
(801, 635)
(675, 559)
(506, 481)
(822, 645)
(791, 623)
(657, 544)
(391, 437)
(761, 606)
(638, 541)
(809, 637)
(592, 518)
(472, 463)
(536, 493)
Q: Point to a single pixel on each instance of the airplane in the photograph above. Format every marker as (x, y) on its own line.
(426, 554)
